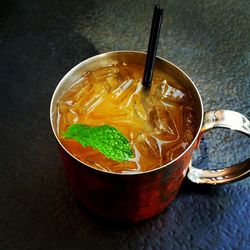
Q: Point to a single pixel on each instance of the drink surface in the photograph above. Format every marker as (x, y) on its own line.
(159, 123)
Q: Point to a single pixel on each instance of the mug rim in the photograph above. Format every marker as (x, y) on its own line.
(100, 56)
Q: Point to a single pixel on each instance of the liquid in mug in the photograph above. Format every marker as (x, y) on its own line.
(159, 123)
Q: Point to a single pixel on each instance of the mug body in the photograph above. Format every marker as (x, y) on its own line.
(125, 197)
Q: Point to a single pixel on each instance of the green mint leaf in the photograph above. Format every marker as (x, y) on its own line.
(108, 140)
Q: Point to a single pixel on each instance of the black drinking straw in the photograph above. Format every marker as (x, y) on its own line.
(152, 46)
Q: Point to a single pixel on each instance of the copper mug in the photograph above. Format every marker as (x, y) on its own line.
(135, 197)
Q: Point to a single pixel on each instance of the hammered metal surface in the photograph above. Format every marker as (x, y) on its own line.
(39, 42)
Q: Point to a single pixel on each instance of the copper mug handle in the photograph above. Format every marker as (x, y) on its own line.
(223, 119)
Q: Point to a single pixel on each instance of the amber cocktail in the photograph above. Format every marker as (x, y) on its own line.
(161, 126)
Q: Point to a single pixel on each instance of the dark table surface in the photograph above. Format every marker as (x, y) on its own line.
(39, 42)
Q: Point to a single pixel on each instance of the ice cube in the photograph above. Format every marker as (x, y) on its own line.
(63, 109)
(139, 107)
(150, 152)
(190, 119)
(147, 144)
(123, 95)
(90, 97)
(170, 92)
(72, 117)
(177, 150)
(103, 73)
(83, 90)
(111, 77)
(161, 122)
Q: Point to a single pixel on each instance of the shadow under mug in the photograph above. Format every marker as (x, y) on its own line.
(135, 197)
